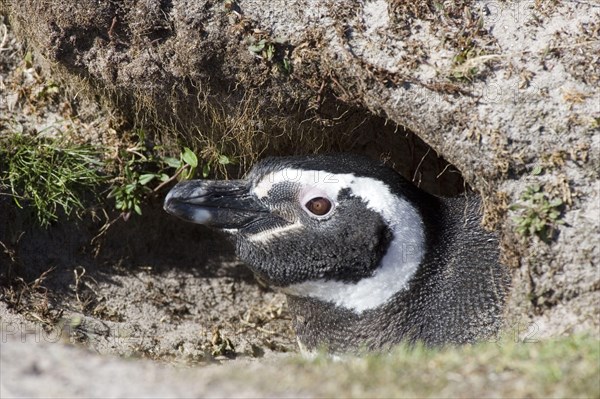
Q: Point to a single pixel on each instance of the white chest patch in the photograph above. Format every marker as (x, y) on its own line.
(399, 263)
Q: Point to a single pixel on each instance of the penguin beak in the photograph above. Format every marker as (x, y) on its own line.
(220, 204)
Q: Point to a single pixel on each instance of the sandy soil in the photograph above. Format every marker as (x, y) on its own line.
(157, 288)
(40, 369)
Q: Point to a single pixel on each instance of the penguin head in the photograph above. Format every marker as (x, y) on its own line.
(302, 221)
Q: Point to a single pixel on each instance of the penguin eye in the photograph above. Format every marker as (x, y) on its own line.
(318, 206)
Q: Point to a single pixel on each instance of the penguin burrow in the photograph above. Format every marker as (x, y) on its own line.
(366, 259)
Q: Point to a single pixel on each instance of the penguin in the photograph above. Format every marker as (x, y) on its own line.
(366, 259)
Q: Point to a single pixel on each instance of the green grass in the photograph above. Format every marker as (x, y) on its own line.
(539, 214)
(565, 368)
(48, 175)
(143, 171)
(54, 176)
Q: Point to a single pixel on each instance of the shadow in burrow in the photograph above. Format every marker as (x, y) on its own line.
(157, 243)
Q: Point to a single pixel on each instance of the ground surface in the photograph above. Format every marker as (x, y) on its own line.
(564, 368)
(163, 290)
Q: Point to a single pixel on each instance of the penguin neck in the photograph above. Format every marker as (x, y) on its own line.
(395, 270)
(458, 284)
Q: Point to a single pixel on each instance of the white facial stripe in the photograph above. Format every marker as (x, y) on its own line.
(266, 235)
(328, 183)
(399, 263)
